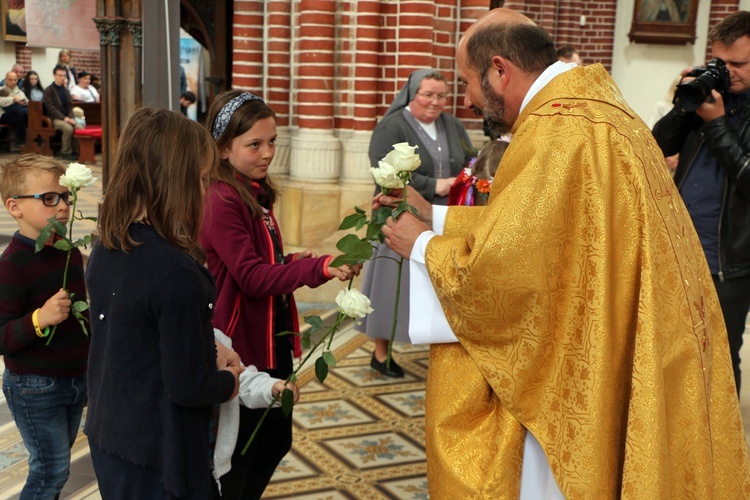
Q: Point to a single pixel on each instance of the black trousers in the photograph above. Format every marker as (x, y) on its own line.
(251, 473)
(734, 296)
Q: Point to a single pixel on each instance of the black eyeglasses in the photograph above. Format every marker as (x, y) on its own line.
(50, 199)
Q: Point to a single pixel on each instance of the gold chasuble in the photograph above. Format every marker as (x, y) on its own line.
(586, 314)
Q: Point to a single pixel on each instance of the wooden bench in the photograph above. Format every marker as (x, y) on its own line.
(91, 135)
(39, 131)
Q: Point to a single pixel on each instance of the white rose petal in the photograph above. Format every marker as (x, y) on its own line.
(403, 157)
(77, 176)
(353, 303)
(386, 176)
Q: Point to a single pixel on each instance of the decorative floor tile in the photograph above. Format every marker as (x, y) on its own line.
(312, 386)
(364, 376)
(293, 467)
(405, 348)
(323, 414)
(375, 450)
(330, 494)
(414, 488)
(409, 403)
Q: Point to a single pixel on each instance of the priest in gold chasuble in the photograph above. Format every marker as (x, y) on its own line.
(580, 298)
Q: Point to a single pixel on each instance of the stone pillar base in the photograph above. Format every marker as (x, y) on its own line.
(315, 156)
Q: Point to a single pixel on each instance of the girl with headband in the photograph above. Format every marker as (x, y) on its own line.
(254, 278)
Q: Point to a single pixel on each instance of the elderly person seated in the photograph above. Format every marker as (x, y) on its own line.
(14, 107)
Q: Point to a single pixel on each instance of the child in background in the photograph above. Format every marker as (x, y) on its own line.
(44, 385)
(472, 185)
(254, 279)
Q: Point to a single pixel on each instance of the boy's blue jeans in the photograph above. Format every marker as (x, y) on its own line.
(47, 411)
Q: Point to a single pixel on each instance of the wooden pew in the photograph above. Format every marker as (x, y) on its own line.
(39, 131)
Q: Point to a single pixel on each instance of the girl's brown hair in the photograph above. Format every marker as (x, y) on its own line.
(159, 168)
(243, 119)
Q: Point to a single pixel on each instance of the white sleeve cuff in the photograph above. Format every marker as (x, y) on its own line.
(427, 322)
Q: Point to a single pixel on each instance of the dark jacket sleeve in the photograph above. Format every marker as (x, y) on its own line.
(672, 129)
(16, 328)
(725, 144)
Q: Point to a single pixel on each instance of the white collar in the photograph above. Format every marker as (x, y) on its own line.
(547, 75)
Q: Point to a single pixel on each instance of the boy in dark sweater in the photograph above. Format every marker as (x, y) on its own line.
(44, 385)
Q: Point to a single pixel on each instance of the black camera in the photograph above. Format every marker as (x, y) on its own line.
(714, 75)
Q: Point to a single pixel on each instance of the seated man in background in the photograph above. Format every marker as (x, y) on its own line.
(568, 54)
(58, 105)
(14, 108)
(84, 91)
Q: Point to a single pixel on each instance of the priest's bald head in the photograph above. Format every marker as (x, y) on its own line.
(498, 59)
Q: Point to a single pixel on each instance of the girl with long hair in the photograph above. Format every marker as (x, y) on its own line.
(254, 278)
(153, 363)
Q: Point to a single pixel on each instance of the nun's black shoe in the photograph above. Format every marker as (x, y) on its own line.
(394, 371)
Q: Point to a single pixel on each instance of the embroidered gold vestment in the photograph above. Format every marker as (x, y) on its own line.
(586, 314)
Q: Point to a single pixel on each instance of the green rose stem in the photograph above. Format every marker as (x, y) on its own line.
(293, 377)
(74, 191)
(398, 294)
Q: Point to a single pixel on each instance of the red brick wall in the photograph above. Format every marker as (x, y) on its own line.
(594, 41)
(719, 10)
(87, 60)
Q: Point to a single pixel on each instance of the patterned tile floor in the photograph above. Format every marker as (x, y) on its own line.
(358, 435)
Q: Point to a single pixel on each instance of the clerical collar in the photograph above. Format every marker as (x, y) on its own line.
(542, 80)
(429, 128)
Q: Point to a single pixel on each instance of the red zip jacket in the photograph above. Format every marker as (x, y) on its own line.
(241, 258)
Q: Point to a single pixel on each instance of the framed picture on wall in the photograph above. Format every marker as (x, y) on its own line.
(664, 21)
(14, 20)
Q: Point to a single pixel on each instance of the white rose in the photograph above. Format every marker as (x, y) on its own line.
(403, 157)
(77, 176)
(353, 303)
(386, 176)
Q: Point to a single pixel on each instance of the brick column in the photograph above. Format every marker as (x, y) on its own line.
(362, 76)
(315, 149)
(278, 77)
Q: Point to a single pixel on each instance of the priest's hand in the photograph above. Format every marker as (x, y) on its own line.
(401, 234)
(413, 198)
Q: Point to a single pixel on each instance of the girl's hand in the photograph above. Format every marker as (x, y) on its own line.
(305, 254)
(279, 387)
(345, 272)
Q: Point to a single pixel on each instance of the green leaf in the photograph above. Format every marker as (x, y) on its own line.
(281, 334)
(83, 325)
(80, 306)
(321, 369)
(329, 358)
(83, 242)
(375, 232)
(59, 228)
(401, 208)
(305, 340)
(358, 220)
(381, 215)
(315, 323)
(63, 245)
(348, 243)
(291, 379)
(287, 401)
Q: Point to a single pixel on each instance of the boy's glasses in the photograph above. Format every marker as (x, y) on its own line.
(50, 199)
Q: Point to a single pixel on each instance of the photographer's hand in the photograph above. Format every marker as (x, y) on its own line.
(713, 108)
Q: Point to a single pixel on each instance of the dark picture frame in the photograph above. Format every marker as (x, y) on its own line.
(12, 32)
(664, 21)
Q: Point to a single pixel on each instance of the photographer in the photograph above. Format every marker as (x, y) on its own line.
(713, 173)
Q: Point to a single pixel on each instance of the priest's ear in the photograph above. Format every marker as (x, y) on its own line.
(501, 71)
